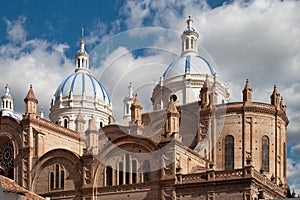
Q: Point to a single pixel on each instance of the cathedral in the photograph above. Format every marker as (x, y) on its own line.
(194, 144)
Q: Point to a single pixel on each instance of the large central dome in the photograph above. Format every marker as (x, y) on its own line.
(188, 64)
(81, 93)
(82, 83)
(185, 76)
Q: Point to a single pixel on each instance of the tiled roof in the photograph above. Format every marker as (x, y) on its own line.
(9, 185)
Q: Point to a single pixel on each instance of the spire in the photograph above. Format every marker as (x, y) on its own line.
(205, 93)
(82, 40)
(171, 107)
(136, 111)
(79, 117)
(92, 137)
(30, 96)
(172, 123)
(247, 92)
(282, 105)
(30, 103)
(7, 100)
(189, 39)
(82, 57)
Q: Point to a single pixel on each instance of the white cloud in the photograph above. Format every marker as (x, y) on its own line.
(258, 40)
(295, 150)
(15, 31)
(293, 175)
(37, 62)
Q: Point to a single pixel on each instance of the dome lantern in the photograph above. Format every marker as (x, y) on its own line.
(189, 39)
(82, 57)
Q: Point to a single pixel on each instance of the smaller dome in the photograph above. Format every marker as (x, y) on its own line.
(11, 114)
(188, 64)
(81, 83)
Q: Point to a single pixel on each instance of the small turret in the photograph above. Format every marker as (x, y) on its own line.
(282, 105)
(172, 123)
(275, 97)
(79, 123)
(136, 111)
(247, 92)
(205, 93)
(30, 103)
(92, 137)
(214, 93)
(128, 100)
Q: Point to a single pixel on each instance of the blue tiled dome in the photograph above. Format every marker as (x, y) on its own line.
(82, 83)
(11, 114)
(191, 64)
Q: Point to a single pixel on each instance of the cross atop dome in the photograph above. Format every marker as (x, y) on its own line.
(82, 40)
(189, 22)
(82, 57)
(189, 39)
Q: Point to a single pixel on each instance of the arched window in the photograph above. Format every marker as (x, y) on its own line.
(265, 153)
(101, 124)
(229, 152)
(127, 170)
(192, 43)
(57, 178)
(187, 43)
(51, 180)
(134, 169)
(109, 174)
(66, 123)
(146, 171)
(78, 63)
(121, 173)
(62, 178)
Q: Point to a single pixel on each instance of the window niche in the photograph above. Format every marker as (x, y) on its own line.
(57, 178)
(229, 152)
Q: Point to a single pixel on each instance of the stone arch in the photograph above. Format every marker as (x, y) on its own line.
(11, 133)
(70, 161)
(127, 140)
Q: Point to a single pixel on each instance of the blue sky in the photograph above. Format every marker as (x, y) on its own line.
(258, 40)
(61, 20)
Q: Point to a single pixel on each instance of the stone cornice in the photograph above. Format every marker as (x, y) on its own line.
(45, 124)
(242, 107)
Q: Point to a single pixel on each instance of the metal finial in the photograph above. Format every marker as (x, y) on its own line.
(189, 21)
